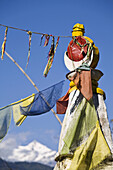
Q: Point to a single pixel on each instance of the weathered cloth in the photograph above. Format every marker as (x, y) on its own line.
(5, 120)
(85, 138)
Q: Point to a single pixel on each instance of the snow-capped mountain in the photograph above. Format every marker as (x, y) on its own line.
(33, 152)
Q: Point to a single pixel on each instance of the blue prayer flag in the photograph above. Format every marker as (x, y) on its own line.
(44, 101)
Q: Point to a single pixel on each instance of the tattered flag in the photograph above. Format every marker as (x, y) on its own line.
(51, 56)
(41, 39)
(4, 43)
(30, 34)
(47, 37)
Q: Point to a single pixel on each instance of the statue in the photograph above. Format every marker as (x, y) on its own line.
(85, 139)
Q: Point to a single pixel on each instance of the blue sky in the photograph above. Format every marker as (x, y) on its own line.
(56, 18)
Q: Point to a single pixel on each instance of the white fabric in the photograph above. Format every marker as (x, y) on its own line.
(72, 65)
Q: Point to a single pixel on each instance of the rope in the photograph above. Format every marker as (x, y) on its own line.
(20, 29)
(33, 85)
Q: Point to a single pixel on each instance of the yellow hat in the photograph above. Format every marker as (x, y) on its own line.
(78, 30)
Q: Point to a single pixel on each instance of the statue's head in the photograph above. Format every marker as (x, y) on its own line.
(78, 30)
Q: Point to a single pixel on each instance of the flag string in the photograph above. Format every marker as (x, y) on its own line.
(20, 29)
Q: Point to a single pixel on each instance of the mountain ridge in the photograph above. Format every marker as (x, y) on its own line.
(4, 165)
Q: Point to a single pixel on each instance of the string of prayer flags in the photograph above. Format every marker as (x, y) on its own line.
(30, 35)
(35, 104)
(51, 56)
(47, 37)
(4, 43)
(50, 59)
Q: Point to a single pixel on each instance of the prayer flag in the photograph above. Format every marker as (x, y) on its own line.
(4, 43)
(30, 35)
(44, 101)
